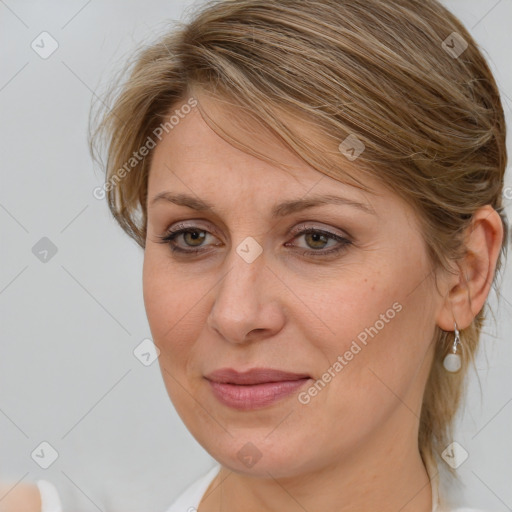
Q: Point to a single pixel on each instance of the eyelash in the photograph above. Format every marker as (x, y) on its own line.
(180, 229)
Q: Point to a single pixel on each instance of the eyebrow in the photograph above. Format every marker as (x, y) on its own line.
(279, 210)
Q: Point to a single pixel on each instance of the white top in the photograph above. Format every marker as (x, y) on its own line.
(50, 501)
(189, 500)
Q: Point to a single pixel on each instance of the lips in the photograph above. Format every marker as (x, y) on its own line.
(255, 389)
(253, 376)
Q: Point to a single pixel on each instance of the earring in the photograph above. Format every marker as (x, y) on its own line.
(453, 362)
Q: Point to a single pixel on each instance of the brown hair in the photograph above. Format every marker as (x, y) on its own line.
(391, 73)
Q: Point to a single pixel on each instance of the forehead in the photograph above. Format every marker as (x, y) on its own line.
(193, 156)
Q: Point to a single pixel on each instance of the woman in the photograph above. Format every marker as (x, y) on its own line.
(314, 326)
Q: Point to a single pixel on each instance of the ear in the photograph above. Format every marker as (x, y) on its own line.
(468, 289)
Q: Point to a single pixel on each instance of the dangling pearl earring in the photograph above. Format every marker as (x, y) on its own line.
(453, 362)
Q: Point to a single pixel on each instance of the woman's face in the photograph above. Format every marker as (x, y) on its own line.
(348, 308)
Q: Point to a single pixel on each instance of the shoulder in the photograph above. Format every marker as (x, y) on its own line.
(188, 500)
(21, 496)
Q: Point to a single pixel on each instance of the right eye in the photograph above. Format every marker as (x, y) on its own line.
(193, 237)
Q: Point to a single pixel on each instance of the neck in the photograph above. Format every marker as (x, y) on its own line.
(385, 476)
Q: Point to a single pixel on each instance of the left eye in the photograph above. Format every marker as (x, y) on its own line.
(315, 238)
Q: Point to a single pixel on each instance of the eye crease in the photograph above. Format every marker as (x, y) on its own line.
(341, 242)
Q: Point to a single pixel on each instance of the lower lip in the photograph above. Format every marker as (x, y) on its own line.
(254, 396)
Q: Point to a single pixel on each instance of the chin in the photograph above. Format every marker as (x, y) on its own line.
(257, 453)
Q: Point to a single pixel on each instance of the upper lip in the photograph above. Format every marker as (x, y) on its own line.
(253, 376)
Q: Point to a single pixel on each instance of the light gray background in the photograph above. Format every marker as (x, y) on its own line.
(68, 375)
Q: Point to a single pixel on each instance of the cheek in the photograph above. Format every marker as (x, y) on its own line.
(174, 303)
(173, 306)
(157, 302)
(166, 300)
(374, 334)
(384, 362)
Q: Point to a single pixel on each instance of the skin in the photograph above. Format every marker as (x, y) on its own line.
(353, 447)
(19, 497)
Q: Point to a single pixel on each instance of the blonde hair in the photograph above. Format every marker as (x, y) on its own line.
(431, 121)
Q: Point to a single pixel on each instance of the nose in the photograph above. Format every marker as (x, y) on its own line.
(247, 305)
